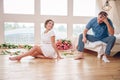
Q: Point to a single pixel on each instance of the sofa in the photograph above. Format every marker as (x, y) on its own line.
(99, 46)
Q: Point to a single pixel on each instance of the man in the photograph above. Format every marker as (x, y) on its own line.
(103, 30)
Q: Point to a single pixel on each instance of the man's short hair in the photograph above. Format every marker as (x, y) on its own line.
(103, 13)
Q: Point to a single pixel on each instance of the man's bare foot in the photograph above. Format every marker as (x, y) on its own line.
(100, 55)
(15, 58)
(79, 56)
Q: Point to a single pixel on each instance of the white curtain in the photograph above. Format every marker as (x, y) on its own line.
(113, 13)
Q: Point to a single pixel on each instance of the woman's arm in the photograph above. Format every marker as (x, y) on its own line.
(54, 46)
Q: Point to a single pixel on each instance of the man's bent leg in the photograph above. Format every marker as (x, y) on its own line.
(91, 38)
(110, 41)
(81, 45)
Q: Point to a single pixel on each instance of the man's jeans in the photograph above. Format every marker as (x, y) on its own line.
(110, 40)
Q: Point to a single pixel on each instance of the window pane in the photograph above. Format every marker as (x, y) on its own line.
(84, 7)
(19, 6)
(78, 29)
(54, 7)
(59, 29)
(19, 32)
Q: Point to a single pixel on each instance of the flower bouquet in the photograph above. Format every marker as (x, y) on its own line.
(63, 44)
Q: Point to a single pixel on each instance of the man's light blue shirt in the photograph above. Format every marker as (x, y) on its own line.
(100, 30)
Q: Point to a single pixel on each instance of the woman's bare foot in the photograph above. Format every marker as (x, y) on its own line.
(15, 58)
(79, 56)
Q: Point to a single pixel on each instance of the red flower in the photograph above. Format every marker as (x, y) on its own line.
(63, 44)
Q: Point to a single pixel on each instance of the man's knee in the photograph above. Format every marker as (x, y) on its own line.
(113, 38)
(81, 36)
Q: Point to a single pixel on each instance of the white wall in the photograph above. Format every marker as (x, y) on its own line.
(1, 22)
(118, 6)
(115, 14)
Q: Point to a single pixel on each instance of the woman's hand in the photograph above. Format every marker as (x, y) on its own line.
(59, 57)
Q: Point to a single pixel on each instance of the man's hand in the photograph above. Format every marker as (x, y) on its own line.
(105, 20)
(110, 29)
(84, 35)
(84, 40)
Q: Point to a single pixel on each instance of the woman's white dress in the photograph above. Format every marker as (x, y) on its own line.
(46, 44)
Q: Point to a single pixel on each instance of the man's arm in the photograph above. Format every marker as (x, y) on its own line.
(110, 28)
(84, 35)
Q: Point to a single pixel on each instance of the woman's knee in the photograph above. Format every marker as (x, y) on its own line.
(34, 54)
(35, 47)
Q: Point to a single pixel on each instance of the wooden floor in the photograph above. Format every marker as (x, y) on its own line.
(89, 68)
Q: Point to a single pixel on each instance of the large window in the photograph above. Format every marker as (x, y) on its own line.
(59, 29)
(53, 7)
(19, 6)
(22, 33)
(84, 7)
(22, 21)
(78, 29)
